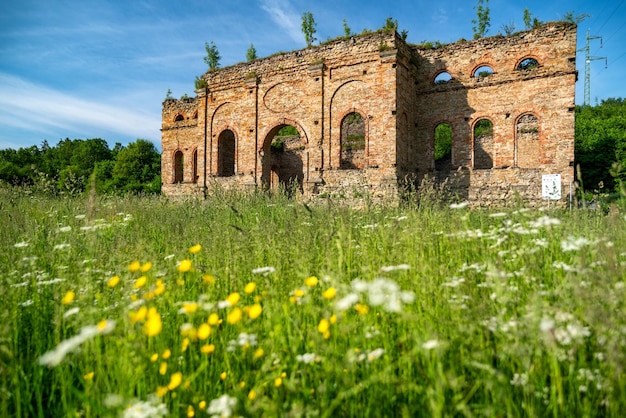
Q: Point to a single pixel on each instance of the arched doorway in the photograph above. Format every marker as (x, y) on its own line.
(282, 159)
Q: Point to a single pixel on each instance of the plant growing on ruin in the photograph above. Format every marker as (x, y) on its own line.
(212, 58)
(347, 32)
(200, 83)
(251, 53)
(483, 20)
(529, 21)
(308, 28)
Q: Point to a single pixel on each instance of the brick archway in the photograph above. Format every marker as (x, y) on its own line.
(283, 158)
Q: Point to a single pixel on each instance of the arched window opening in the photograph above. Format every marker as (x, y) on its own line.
(443, 146)
(353, 141)
(194, 177)
(179, 118)
(527, 150)
(483, 144)
(226, 154)
(443, 77)
(528, 64)
(483, 71)
(178, 167)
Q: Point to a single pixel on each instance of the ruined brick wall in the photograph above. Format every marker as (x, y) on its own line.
(391, 85)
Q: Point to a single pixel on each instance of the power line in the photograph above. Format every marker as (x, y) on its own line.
(611, 15)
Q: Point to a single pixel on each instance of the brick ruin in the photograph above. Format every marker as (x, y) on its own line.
(365, 113)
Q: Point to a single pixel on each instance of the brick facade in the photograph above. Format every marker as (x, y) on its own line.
(224, 135)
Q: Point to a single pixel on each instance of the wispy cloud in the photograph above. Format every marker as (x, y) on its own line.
(440, 16)
(285, 16)
(24, 104)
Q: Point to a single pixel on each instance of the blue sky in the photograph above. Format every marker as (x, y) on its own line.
(101, 68)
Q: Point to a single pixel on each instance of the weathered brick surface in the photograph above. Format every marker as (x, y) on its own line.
(391, 85)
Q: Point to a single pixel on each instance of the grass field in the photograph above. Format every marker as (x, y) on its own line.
(258, 306)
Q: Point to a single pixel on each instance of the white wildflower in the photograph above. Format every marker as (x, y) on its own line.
(375, 354)
(55, 357)
(307, 358)
(575, 244)
(519, 379)
(26, 303)
(459, 205)
(61, 246)
(222, 407)
(264, 270)
(65, 229)
(544, 222)
(497, 215)
(454, 282)
(347, 302)
(79, 216)
(430, 344)
(387, 269)
(21, 244)
(71, 312)
(148, 409)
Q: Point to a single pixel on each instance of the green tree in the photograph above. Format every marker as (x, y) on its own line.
(347, 32)
(137, 168)
(308, 28)
(530, 22)
(212, 58)
(482, 21)
(572, 17)
(251, 53)
(391, 25)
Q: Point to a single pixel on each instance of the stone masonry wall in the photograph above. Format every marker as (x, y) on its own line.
(391, 84)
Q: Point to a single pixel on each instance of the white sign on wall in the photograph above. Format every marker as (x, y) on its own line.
(551, 187)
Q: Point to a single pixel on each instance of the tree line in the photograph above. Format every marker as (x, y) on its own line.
(71, 166)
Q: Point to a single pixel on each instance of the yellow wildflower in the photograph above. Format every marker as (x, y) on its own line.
(258, 353)
(203, 331)
(207, 349)
(329, 293)
(140, 282)
(180, 282)
(255, 311)
(333, 319)
(298, 293)
(234, 316)
(185, 344)
(102, 325)
(184, 266)
(154, 357)
(113, 281)
(166, 354)
(323, 326)
(140, 315)
(134, 266)
(145, 267)
(163, 368)
(233, 298)
(311, 281)
(190, 411)
(160, 287)
(208, 279)
(195, 249)
(362, 309)
(153, 325)
(88, 376)
(161, 391)
(252, 395)
(202, 404)
(190, 307)
(175, 380)
(214, 319)
(242, 384)
(249, 288)
(278, 382)
(68, 298)
(223, 376)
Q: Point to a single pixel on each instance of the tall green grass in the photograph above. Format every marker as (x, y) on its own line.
(449, 312)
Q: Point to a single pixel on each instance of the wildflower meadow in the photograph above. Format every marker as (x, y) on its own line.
(254, 305)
